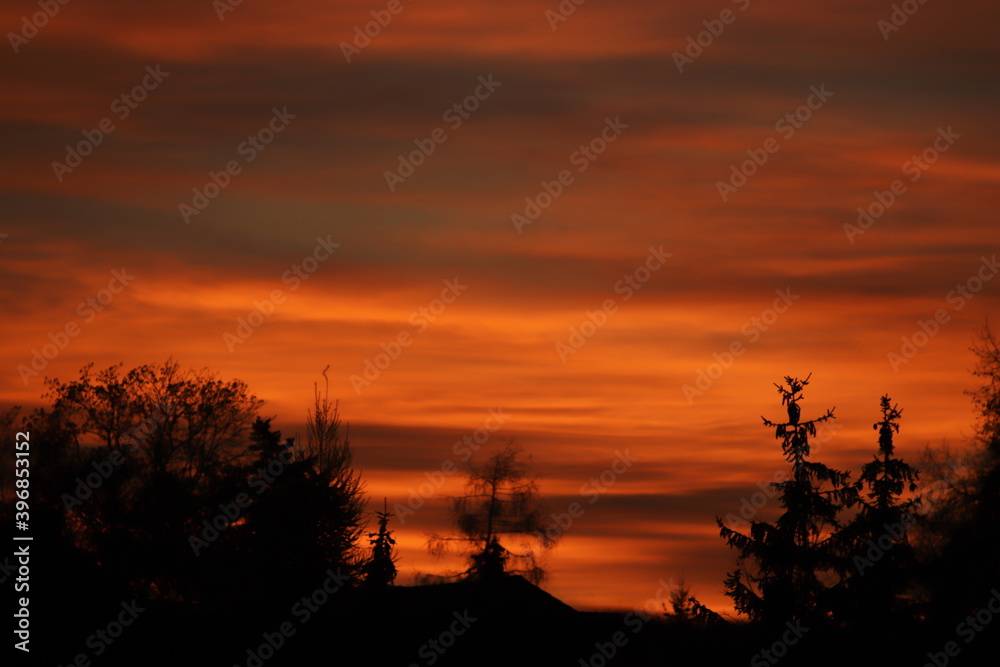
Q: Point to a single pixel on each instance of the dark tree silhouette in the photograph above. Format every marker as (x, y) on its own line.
(9, 422)
(327, 438)
(987, 397)
(681, 603)
(685, 609)
(302, 520)
(500, 506)
(962, 535)
(67, 572)
(380, 569)
(782, 567)
(162, 439)
(877, 541)
(166, 420)
(308, 503)
(197, 500)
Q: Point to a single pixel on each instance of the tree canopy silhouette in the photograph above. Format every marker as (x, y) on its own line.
(876, 542)
(380, 569)
(168, 420)
(162, 439)
(500, 509)
(782, 567)
(303, 519)
(962, 534)
(170, 479)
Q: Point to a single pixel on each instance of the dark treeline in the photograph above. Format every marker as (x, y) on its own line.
(162, 499)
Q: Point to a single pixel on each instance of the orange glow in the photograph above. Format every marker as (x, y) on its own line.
(495, 345)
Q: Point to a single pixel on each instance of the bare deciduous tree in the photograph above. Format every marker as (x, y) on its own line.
(327, 440)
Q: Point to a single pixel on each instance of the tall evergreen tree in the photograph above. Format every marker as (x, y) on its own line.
(781, 567)
(877, 540)
(303, 519)
(380, 570)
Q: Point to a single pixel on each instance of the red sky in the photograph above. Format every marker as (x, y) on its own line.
(853, 293)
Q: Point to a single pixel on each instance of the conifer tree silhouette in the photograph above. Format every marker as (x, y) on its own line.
(685, 609)
(681, 603)
(380, 570)
(305, 518)
(877, 540)
(781, 566)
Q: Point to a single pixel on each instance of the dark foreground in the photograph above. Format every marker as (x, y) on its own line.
(509, 622)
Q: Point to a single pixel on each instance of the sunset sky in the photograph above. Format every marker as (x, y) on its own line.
(476, 182)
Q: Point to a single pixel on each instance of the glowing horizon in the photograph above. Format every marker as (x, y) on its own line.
(511, 268)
